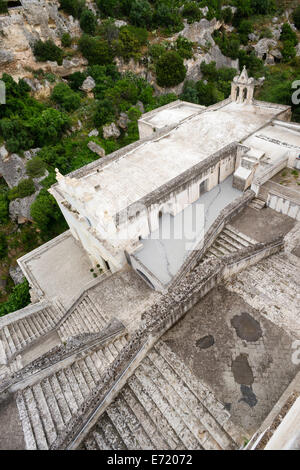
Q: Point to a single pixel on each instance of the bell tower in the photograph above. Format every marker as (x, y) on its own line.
(242, 88)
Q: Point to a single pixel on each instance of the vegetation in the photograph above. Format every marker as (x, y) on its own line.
(19, 298)
(25, 188)
(35, 168)
(170, 70)
(47, 50)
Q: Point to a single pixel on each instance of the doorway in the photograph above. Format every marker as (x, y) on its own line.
(203, 187)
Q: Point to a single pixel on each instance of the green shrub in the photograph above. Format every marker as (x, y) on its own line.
(170, 70)
(3, 6)
(3, 245)
(184, 47)
(47, 50)
(244, 29)
(288, 35)
(19, 298)
(73, 7)
(288, 51)
(191, 12)
(66, 40)
(130, 41)
(141, 13)
(35, 167)
(104, 113)
(296, 17)
(227, 15)
(63, 95)
(47, 215)
(23, 189)
(88, 22)
(95, 50)
(76, 79)
(4, 208)
(167, 16)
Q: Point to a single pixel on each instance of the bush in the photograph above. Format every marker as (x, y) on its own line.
(109, 7)
(104, 113)
(244, 29)
(88, 22)
(65, 97)
(296, 17)
(47, 50)
(66, 40)
(227, 15)
(170, 70)
(191, 12)
(76, 79)
(288, 35)
(3, 245)
(19, 298)
(3, 6)
(167, 16)
(73, 7)
(95, 50)
(25, 188)
(47, 215)
(263, 7)
(141, 13)
(35, 168)
(288, 51)
(184, 47)
(130, 41)
(4, 211)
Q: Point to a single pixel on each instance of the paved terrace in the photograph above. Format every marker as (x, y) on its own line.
(162, 254)
(126, 180)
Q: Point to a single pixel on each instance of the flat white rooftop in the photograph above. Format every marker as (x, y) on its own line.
(154, 163)
(164, 256)
(173, 115)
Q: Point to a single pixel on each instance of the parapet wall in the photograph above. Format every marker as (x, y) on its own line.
(156, 321)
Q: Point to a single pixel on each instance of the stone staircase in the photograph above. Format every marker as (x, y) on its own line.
(85, 318)
(257, 204)
(164, 406)
(17, 335)
(229, 241)
(46, 407)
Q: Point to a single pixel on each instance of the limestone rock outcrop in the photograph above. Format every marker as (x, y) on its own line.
(96, 149)
(23, 25)
(111, 131)
(88, 85)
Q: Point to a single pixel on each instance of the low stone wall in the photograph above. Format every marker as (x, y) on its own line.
(156, 321)
(284, 204)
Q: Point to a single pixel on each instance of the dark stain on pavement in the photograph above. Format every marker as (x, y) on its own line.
(205, 342)
(242, 371)
(246, 327)
(249, 396)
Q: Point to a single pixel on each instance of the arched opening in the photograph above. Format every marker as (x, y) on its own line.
(245, 94)
(237, 93)
(107, 265)
(145, 279)
(203, 187)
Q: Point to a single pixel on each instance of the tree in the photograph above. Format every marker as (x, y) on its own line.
(66, 97)
(4, 212)
(3, 6)
(88, 22)
(263, 7)
(47, 50)
(47, 215)
(95, 50)
(244, 29)
(66, 40)
(288, 51)
(3, 245)
(76, 79)
(19, 298)
(141, 13)
(104, 113)
(73, 7)
(49, 126)
(23, 189)
(170, 70)
(35, 167)
(287, 34)
(296, 17)
(191, 12)
(109, 7)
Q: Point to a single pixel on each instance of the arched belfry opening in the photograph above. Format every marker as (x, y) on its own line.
(242, 88)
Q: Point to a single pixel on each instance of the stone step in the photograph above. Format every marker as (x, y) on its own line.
(19, 334)
(85, 318)
(239, 235)
(163, 406)
(257, 204)
(46, 407)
